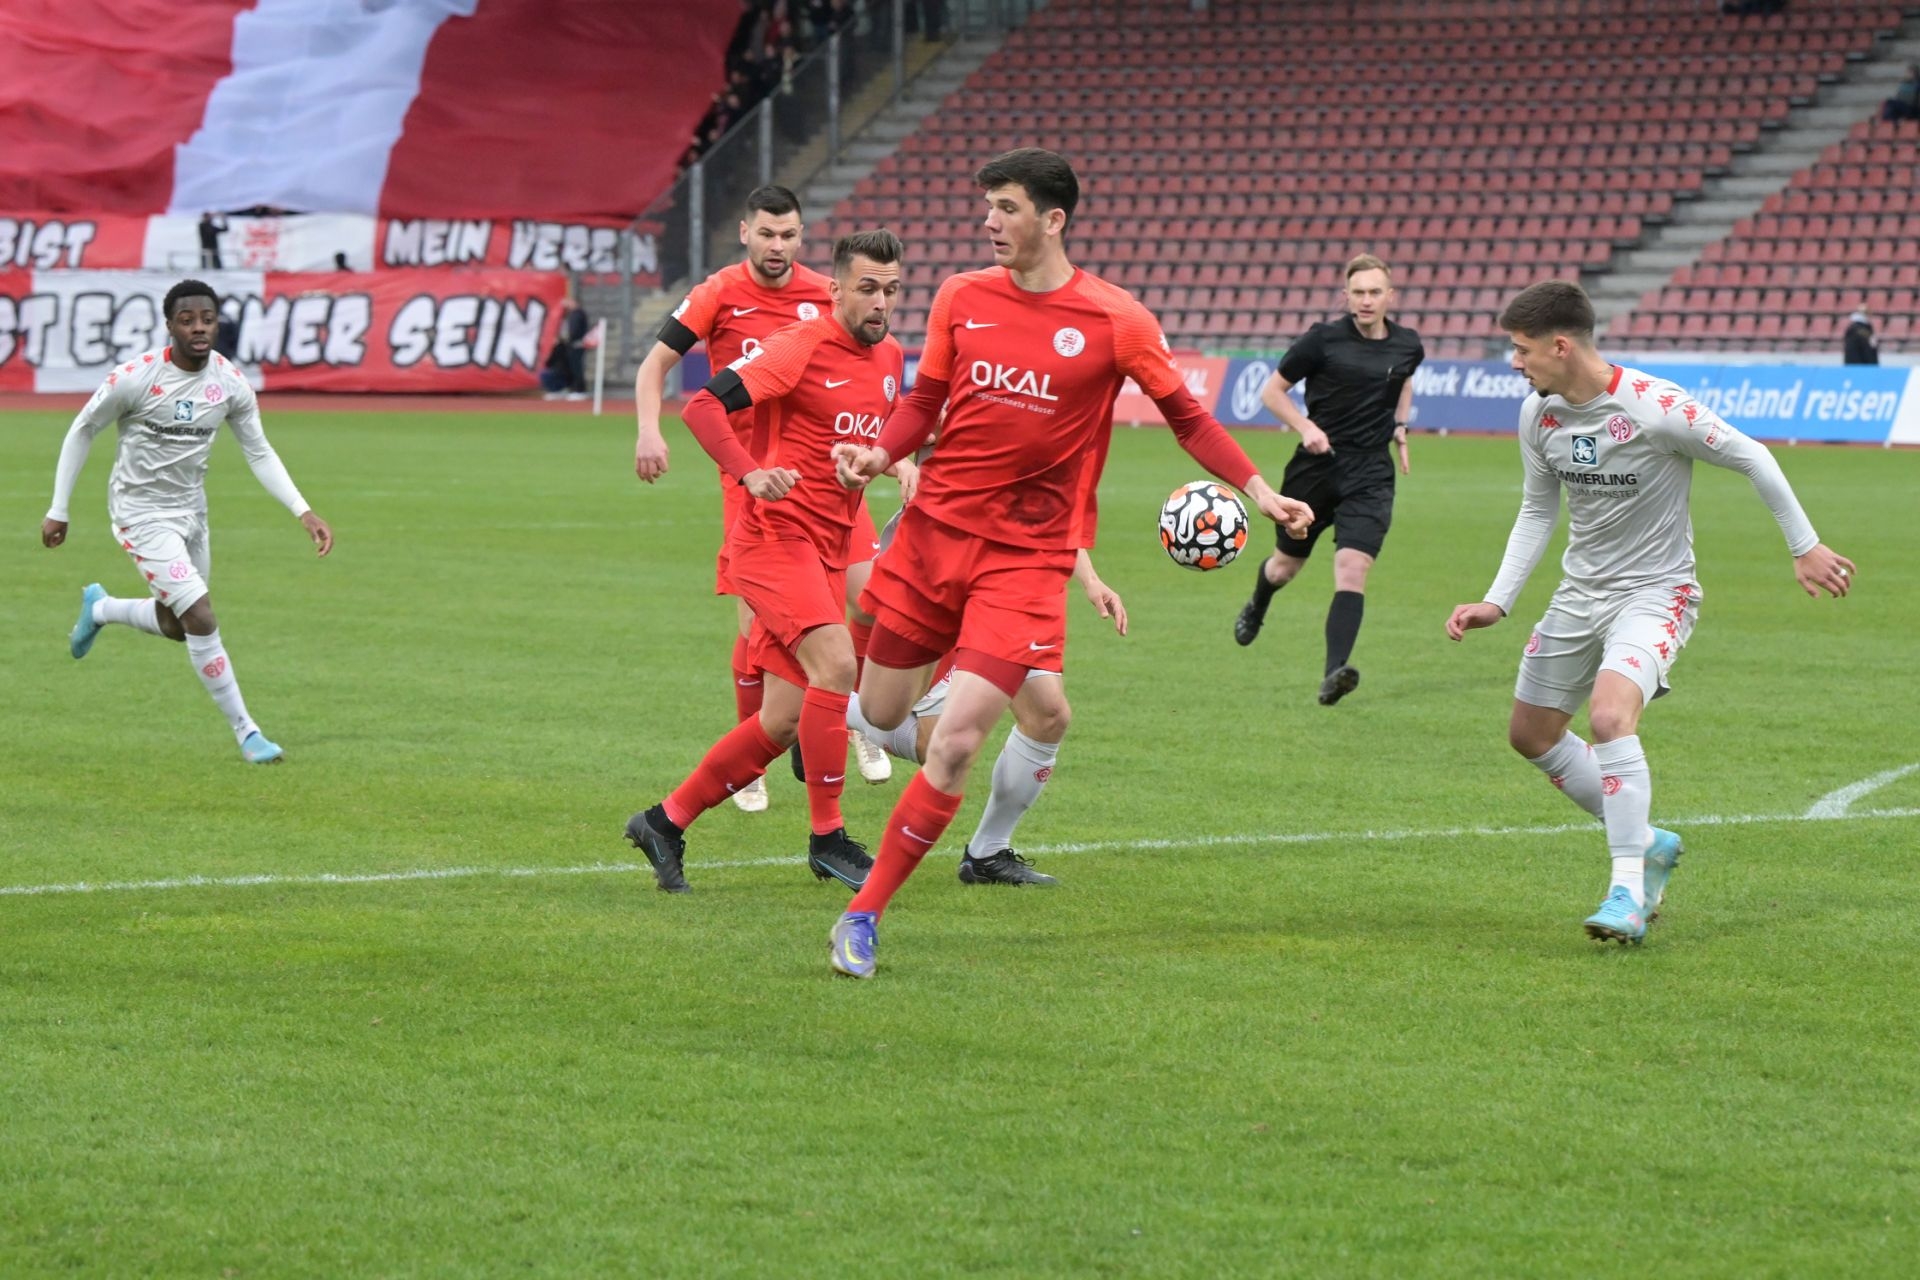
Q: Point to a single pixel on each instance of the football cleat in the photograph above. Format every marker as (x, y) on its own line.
(1619, 918)
(1004, 867)
(876, 765)
(255, 749)
(1247, 626)
(1340, 682)
(1662, 856)
(837, 856)
(752, 798)
(666, 852)
(851, 945)
(85, 629)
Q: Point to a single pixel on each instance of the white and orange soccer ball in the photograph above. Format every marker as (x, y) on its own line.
(1203, 525)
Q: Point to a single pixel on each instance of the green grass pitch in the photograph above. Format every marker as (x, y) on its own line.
(1312, 998)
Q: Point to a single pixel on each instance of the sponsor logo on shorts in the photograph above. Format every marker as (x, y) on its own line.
(1533, 643)
(1620, 427)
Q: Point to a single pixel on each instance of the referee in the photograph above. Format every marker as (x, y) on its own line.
(1358, 372)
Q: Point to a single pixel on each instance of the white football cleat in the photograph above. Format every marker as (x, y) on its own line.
(752, 798)
(875, 764)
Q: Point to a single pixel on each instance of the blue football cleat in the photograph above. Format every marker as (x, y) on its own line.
(1619, 919)
(257, 750)
(850, 945)
(85, 629)
(1663, 855)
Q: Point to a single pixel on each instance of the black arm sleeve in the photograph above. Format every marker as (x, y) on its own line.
(676, 335)
(730, 391)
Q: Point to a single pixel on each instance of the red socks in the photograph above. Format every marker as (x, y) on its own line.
(729, 764)
(746, 682)
(823, 747)
(914, 827)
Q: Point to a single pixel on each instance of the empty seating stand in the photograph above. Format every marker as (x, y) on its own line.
(1233, 159)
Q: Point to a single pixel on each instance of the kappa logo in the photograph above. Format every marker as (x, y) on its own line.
(1586, 451)
(183, 411)
(1640, 386)
(1690, 411)
(1069, 341)
(1620, 427)
(807, 311)
(158, 392)
(1548, 422)
(1666, 402)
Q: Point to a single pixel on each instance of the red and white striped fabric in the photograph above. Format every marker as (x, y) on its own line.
(405, 108)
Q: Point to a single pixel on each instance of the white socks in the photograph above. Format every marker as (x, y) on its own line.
(1018, 776)
(1626, 790)
(141, 615)
(216, 672)
(1570, 766)
(902, 742)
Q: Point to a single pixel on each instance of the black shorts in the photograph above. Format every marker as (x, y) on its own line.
(1356, 503)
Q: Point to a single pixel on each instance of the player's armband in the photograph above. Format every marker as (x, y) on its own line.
(730, 391)
(676, 335)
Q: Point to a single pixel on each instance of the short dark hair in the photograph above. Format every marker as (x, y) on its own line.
(187, 289)
(772, 198)
(1550, 307)
(1044, 175)
(879, 245)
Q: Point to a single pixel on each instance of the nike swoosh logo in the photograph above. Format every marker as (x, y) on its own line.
(908, 832)
(744, 311)
(1037, 648)
(831, 384)
(974, 325)
(838, 777)
(731, 788)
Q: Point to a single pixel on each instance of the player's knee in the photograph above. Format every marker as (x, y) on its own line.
(1613, 720)
(1045, 721)
(832, 671)
(781, 725)
(197, 618)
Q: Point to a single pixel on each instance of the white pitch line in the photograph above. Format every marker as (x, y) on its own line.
(1091, 846)
(1836, 803)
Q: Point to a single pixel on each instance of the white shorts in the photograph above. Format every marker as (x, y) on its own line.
(1638, 634)
(173, 555)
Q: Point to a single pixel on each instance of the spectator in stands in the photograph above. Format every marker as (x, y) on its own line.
(340, 262)
(211, 229)
(1858, 345)
(1905, 102)
(574, 328)
(226, 332)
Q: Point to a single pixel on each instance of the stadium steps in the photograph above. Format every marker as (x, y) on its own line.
(1755, 176)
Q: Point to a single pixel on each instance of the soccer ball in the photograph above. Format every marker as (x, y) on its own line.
(1203, 525)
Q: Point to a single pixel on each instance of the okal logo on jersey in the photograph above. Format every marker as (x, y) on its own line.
(1069, 341)
(807, 311)
(1019, 382)
(1620, 427)
(858, 424)
(1586, 451)
(183, 411)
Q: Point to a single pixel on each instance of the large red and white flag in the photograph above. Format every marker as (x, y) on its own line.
(534, 109)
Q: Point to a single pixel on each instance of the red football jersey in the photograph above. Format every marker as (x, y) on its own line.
(733, 314)
(814, 385)
(1032, 378)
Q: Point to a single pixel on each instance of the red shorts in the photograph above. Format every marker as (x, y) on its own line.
(733, 501)
(945, 589)
(864, 543)
(790, 592)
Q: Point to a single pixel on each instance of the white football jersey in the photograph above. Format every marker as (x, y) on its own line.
(1625, 459)
(168, 418)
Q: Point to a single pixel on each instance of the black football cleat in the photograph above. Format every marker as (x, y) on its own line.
(1246, 627)
(837, 856)
(1340, 682)
(1004, 867)
(666, 852)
